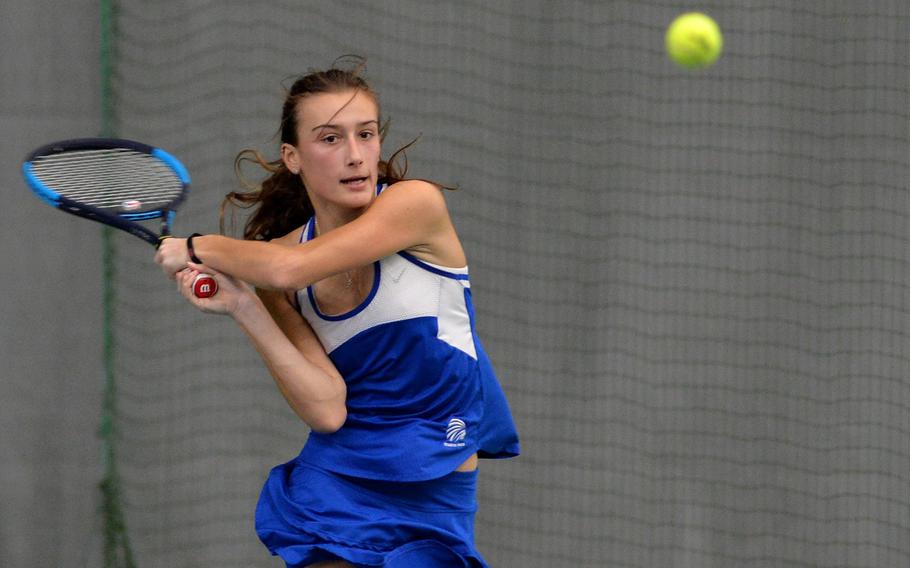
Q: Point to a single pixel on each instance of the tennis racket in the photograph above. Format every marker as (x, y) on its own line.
(117, 182)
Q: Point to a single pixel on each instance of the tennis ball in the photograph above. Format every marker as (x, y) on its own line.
(694, 40)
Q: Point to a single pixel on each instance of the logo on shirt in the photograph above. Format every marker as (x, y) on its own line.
(395, 279)
(456, 432)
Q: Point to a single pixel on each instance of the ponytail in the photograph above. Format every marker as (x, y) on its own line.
(282, 199)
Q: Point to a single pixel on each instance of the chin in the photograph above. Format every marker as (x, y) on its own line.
(367, 188)
(360, 199)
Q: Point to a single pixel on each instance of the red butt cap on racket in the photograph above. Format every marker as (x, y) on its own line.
(204, 286)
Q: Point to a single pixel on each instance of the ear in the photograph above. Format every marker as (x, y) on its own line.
(291, 158)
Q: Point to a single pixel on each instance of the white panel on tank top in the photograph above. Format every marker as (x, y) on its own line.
(406, 291)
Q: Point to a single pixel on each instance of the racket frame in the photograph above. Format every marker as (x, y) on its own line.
(128, 222)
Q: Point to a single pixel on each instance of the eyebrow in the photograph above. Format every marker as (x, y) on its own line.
(324, 126)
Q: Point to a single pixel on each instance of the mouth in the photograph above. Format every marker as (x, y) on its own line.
(355, 181)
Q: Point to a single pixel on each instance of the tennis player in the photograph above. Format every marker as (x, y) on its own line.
(362, 313)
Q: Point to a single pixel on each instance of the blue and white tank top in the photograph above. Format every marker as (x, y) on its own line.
(422, 396)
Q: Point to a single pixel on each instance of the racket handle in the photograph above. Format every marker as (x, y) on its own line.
(204, 286)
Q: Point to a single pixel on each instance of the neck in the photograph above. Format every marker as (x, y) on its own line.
(332, 216)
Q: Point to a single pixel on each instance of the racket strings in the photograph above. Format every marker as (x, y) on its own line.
(120, 179)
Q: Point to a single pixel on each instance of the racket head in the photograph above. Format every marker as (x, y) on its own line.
(114, 181)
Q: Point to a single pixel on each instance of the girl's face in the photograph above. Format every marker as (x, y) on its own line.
(337, 151)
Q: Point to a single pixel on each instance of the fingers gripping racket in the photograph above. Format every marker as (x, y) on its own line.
(116, 182)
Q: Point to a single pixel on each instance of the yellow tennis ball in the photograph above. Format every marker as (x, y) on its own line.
(694, 40)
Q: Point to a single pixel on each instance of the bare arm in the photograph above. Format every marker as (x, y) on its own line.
(409, 215)
(297, 361)
(303, 372)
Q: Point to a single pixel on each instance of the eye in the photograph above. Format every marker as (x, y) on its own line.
(330, 139)
(367, 134)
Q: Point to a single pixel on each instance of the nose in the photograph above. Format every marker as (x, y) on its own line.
(355, 157)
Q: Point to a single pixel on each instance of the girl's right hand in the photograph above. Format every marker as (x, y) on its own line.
(231, 296)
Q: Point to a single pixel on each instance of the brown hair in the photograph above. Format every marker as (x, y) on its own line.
(281, 199)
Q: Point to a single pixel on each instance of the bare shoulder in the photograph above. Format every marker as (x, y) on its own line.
(415, 194)
(414, 185)
(418, 203)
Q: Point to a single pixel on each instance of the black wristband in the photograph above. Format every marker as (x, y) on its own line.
(189, 248)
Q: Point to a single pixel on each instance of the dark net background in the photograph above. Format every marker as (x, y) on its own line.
(693, 285)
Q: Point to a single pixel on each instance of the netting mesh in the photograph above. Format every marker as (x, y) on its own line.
(693, 285)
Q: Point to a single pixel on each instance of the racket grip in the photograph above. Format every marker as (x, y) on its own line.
(204, 286)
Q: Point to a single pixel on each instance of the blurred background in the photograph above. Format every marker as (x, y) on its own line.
(693, 284)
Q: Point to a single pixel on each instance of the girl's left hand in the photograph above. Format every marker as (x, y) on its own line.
(172, 256)
(231, 295)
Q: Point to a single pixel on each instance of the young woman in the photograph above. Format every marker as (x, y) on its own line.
(362, 313)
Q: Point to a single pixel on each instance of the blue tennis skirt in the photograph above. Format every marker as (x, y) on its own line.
(307, 514)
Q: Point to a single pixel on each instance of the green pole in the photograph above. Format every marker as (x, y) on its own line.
(117, 551)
